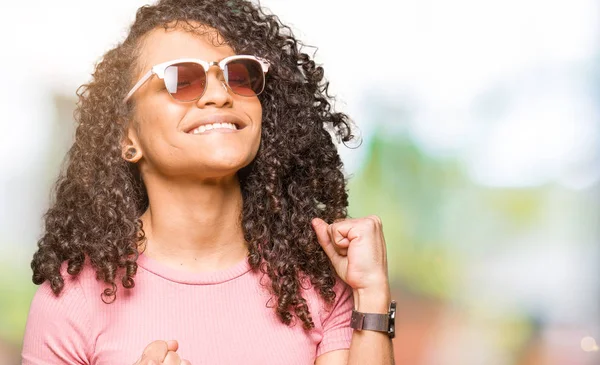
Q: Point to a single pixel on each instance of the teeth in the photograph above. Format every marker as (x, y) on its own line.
(208, 127)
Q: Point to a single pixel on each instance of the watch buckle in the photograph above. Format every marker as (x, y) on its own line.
(358, 320)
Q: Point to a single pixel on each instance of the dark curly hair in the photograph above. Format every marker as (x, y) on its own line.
(296, 175)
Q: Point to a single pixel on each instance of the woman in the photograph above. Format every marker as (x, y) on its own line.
(200, 181)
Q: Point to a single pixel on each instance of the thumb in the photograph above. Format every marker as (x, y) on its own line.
(172, 345)
(321, 229)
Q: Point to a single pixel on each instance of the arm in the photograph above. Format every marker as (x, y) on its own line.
(367, 347)
(371, 347)
(357, 250)
(337, 333)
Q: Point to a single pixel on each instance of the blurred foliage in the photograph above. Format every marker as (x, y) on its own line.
(406, 188)
(16, 291)
(434, 216)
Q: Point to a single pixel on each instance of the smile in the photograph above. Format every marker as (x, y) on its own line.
(222, 127)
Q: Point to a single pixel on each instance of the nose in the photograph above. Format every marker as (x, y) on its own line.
(217, 92)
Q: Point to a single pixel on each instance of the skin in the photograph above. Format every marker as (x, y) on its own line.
(357, 250)
(191, 180)
(195, 195)
(161, 352)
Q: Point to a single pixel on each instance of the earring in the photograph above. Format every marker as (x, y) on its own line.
(130, 153)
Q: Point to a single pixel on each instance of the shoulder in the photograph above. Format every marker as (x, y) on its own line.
(71, 294)
(76, 288)
(333, 319)
(343, 300)
(58, 325)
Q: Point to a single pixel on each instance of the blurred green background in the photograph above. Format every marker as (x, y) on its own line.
(480, 153)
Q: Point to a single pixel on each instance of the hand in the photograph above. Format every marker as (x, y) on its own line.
(161, 352)
(356, 248)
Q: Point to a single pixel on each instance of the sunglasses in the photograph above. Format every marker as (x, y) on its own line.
(185, 78)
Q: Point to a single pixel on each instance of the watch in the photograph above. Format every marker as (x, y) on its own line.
(376, 321)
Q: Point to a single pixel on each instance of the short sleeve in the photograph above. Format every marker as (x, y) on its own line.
(58, 327)
(337, 333)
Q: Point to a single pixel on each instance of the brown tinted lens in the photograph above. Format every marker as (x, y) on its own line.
(185, 81)
(245, 77)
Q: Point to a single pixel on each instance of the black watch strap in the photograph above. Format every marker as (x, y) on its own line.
(382, 322)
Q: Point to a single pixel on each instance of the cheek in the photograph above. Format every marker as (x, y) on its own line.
(158, 121)
(257, 118)
(157, 143)
(255, 112)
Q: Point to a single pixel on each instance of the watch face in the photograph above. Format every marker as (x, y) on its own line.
(392, 327)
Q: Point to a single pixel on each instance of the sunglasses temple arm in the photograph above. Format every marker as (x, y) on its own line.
(138, 85)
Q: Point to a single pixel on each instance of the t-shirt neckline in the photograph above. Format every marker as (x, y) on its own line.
(187, 277)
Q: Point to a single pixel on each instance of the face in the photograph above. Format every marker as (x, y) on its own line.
(160, 130)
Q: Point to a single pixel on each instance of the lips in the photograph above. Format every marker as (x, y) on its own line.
(215, 118)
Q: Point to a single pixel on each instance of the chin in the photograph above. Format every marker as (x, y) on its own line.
(232, 157)
(227, 166)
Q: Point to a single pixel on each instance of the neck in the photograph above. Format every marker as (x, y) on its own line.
(194, 226)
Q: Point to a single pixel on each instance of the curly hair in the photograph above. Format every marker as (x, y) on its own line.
(296, 175)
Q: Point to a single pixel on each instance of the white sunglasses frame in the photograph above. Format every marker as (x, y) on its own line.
(159, 71)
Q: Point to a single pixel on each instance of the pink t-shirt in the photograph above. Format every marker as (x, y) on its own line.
(217, 318)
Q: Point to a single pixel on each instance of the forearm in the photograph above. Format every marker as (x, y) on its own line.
(371, 347)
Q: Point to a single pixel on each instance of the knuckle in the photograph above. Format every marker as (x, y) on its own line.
(153, 351)
(158, 344)
(375, 221)
(369, 222)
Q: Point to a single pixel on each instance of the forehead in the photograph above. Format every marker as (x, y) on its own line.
(161, 45)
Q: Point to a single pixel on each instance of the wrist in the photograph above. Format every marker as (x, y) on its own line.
(373, 300)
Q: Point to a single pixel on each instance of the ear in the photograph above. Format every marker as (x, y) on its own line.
(131, 149)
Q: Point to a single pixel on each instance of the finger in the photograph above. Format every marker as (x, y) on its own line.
(185, 362)
(156, 351)
(321, 227)
(340, 250)
(172, 345)
(336, 236)
(172, 358)
(147, 362)
(349, 229)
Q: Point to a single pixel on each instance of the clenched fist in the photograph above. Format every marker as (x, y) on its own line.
(161, 353)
